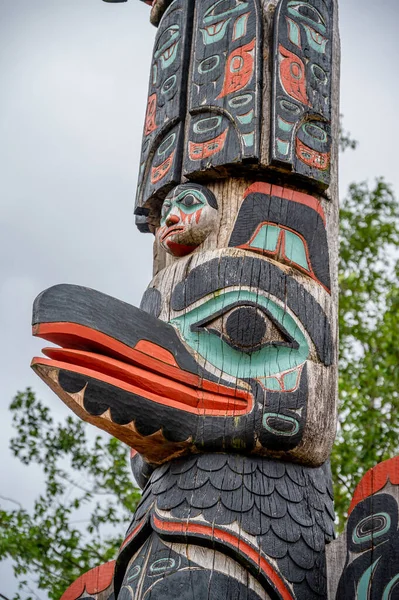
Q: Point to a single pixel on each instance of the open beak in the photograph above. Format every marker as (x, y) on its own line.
(127, 372)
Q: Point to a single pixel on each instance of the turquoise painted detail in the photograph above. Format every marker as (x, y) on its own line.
(268, 361)
(214, 33)
(154, 74)
(240, 27)
(315, 131)
(167, 51)
(387, 592)
(290, 380)
(272, 384)
(266, 238)
(294, 33)
(210, 16)
(249, 139)
(295, 250)
(360, 539)
(209, 64)
(241, 100)
(135, 573)
(283, 147)
(246, 119)
(294, 8)
(167, 144)
(284, 125)
(169, 84)
(163, 564)
(362, 590)
(197, 198)
(284, 418)
(315, 39)
(206, 125)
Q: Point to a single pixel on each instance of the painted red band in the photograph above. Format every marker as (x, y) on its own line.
(375, 480)
(227, 537)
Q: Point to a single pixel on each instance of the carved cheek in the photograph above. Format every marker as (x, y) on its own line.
(197, 215)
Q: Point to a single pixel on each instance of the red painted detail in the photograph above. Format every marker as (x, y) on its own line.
(293, 75)
(79, 337)
(150, 117)
(238, 543)
(133, 534)
(155, 350)
(159, 172)
(240, 68)
(375, 480)
(93, 582)
(172, 220)
(200, 150)
(180, 249)
(197, 215)
(159, 387)
(312, 158)
(155, 388)
(288, 194)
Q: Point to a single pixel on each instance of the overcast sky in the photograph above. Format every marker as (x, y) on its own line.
(73, 81)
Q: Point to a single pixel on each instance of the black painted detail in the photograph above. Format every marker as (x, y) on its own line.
(75, 304)
(224, 96)
(302, 82)
(258, 208)
(218, 274)
(248, 327)
(372, 549)
(276, 502)
(151, 302)
(162, 147)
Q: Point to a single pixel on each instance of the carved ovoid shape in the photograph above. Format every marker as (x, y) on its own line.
(364, 561)
(302, 77)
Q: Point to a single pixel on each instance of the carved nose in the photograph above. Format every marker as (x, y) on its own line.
(172, 220)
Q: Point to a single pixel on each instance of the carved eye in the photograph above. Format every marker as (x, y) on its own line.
(372, 527)
(167, 45)
(190, 200)
(246, 327)
(223, 8)
(242, 334)
(307, 13)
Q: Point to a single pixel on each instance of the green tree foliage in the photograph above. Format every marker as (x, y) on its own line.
(368, 430)
(87, 500)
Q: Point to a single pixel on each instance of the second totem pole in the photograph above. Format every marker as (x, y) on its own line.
(224, 382)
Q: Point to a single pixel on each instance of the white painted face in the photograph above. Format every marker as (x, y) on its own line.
(189, 215)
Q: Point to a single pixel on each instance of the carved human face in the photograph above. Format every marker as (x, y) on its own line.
(189, 214)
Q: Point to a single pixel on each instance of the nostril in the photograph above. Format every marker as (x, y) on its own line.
(172, 220)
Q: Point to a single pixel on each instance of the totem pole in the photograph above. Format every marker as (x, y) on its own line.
(224, 381)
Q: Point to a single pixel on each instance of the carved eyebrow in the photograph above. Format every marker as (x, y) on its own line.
(217, 274)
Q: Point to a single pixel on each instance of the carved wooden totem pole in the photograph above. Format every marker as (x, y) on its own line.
(223, 382)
